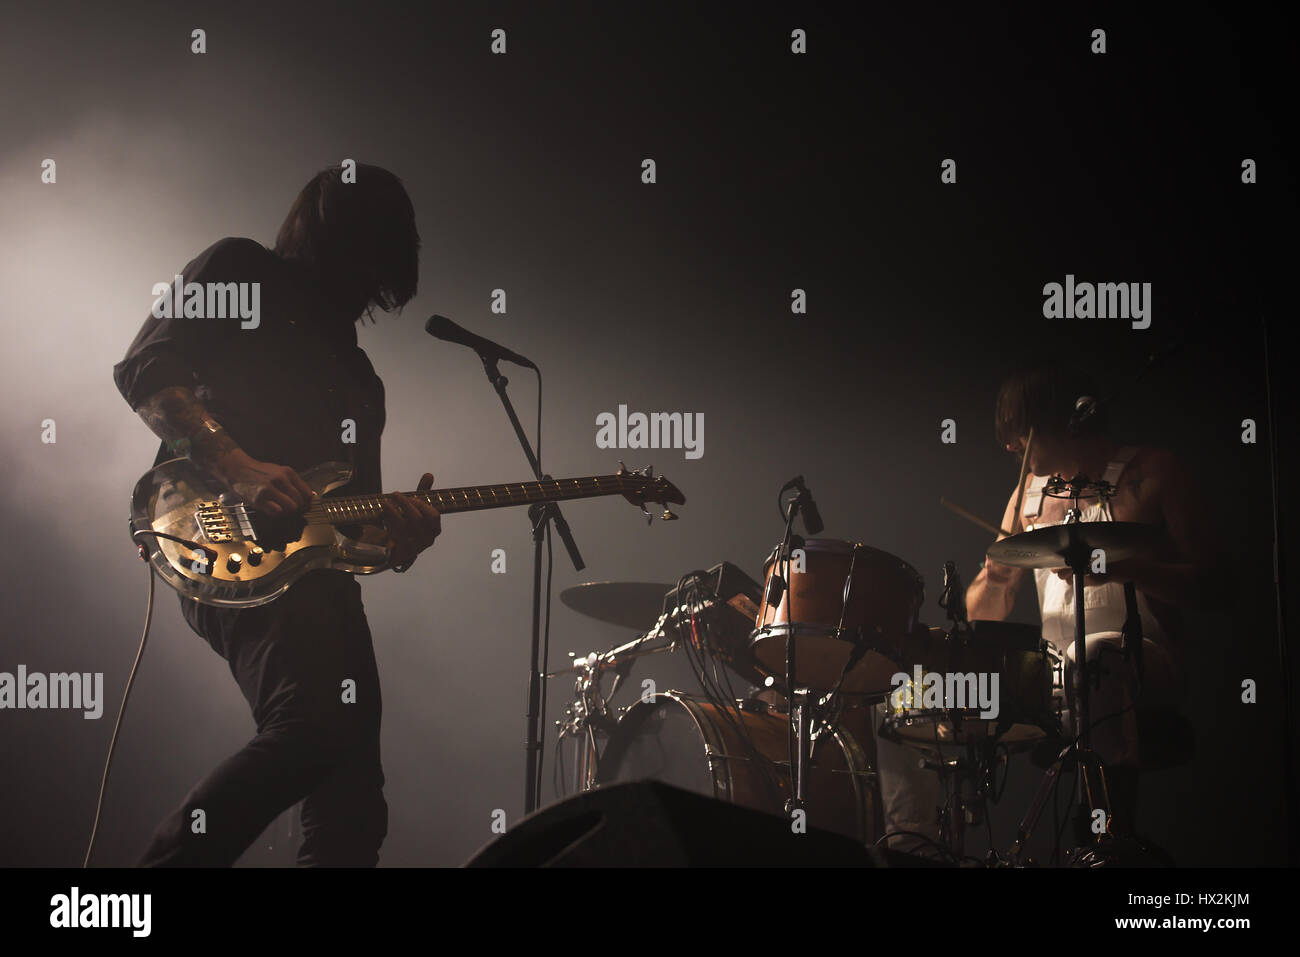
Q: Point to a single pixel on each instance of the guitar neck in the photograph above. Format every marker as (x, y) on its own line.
(349, 509)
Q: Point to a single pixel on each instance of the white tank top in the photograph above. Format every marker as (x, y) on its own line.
(1104, 608)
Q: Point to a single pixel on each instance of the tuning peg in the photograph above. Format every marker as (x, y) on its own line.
(668, 516)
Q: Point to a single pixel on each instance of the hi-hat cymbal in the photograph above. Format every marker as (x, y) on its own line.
(635, 605)
(1047, 547)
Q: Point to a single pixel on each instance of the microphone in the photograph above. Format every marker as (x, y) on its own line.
(1085, 407)
(953, 598)
(440, 327)
(812, 519)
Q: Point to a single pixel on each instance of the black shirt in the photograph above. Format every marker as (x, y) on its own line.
(282, 389)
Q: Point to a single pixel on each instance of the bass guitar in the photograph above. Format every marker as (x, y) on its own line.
(215, 549)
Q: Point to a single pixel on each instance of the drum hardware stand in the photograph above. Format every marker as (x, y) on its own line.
(860, 646)
(582, 719)
(800, 723)
(589, 711)
(978, 762)
(1093, 794)
(1133, 637)
(960, 810)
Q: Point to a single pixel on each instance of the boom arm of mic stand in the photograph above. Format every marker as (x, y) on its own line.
(1154, 359)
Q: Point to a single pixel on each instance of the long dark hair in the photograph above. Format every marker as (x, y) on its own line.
(1043, 397)
(359, 238)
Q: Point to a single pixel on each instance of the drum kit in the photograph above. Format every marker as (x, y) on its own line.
(831, 654)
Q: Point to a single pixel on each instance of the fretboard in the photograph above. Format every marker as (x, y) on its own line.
(348, 509)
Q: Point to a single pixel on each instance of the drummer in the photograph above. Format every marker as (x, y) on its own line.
(1036, 408)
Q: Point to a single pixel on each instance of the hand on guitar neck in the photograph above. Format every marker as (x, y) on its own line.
(410, 524)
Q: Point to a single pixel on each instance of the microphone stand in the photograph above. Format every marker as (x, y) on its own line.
(799, 732)
(1288, 678)
(1079, 419)
(540, 515)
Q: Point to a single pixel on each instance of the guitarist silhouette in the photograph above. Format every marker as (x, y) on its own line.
(253, 401)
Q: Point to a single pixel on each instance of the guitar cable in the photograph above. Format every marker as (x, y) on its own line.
(126, 693)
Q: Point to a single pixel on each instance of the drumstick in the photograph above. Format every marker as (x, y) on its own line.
(1020, 494)
(1020, 490)
(972, 517)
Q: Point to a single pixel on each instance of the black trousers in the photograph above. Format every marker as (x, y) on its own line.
(306, 664)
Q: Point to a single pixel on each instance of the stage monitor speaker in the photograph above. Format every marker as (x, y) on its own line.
(649, 824)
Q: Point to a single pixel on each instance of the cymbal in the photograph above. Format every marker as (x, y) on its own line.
(1046, 547)
(635, 605)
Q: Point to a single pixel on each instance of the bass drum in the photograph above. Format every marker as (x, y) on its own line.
(742, 756)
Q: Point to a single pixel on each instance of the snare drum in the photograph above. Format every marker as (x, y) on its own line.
(1029, 696)
(842, 601)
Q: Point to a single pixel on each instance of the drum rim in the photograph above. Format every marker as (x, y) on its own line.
(890, 724)
(832, 545)
(776, 633)
(866, 797)
(892, 717)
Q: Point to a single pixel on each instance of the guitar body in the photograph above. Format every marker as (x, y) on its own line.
(256, 558)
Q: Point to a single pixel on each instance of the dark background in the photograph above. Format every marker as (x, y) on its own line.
(776, 172)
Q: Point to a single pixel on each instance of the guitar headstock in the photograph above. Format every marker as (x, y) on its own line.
(641, 485)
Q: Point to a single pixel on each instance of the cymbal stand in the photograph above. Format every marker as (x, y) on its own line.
(1093, 794)
(1078, 557)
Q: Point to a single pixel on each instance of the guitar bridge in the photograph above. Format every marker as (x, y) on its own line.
(222, 524)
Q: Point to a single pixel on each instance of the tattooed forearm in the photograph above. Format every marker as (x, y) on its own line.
(992, 595)
(177, 417)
